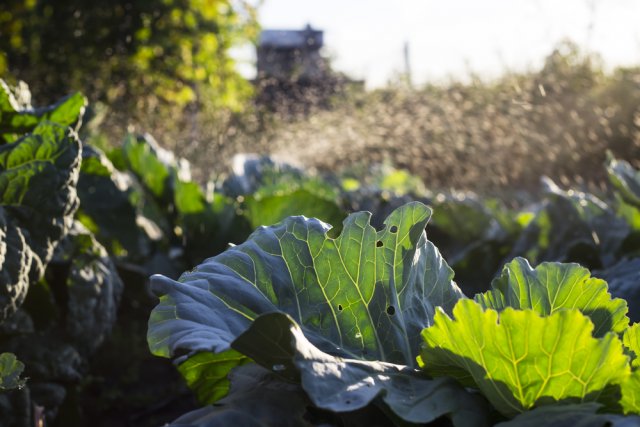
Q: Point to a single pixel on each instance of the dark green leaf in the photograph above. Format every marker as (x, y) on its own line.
(38, 175)
(18, 117)
(106, 208)
(73, 309)
(572, 227)
(339, 384)
(474, 236)
(258, 397)
(47, 358)
(463, 218)
(624, 282)
(207, 228)
(272, 191)
(252, 173)
(91, 291)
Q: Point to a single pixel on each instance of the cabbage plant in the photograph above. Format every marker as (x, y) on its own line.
(372, 320)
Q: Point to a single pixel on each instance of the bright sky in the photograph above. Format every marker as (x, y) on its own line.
(449, 38)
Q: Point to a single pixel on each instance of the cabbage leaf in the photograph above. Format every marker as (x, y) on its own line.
(363, 296)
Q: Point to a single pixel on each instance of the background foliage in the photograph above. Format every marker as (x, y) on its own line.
(78, 320)
(140, 53)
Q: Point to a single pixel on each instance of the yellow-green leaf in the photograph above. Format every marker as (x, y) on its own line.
(519, 359)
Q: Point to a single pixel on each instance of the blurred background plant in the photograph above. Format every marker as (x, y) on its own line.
(490, 136)
(168, 67)
(149, 61)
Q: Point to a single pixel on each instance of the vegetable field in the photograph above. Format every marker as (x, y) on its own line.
(131, 294)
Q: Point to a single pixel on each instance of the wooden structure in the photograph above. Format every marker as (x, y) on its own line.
(291, 55)
(291, 72)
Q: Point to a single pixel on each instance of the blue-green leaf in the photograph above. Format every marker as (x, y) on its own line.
(365, 294)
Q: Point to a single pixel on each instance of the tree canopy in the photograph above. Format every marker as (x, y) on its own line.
(171, 51)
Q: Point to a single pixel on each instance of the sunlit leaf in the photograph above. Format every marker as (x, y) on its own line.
(365, 294)
(519, 359)
(553, 286)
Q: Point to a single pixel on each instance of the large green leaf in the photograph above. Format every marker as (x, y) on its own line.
(366, 294)
(38, 175)
(519, 359)
(10, 370)
(17, 116)
(553, 286)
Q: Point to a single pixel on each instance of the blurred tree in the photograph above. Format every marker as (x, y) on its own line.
(132, 51)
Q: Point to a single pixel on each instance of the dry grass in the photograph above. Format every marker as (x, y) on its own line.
(488, 137)
(484, 136)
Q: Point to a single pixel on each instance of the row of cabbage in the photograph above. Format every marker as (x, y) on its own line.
(362, 321)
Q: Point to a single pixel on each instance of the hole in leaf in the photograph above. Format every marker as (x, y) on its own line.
(393, 229)
(339, 307)
(391, 310)
(379, 244)
(348, 402)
